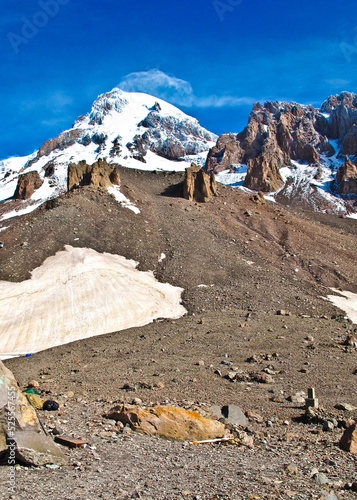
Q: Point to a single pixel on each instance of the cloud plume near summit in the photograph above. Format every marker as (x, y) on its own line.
(176, 91)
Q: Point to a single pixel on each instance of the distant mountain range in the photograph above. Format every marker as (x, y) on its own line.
(295, 154)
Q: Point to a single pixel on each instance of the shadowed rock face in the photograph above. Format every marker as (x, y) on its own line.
(346, 178)
(27, 184)
(100, 174)
(279, 132)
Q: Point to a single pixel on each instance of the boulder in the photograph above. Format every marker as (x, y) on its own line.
(198, 185)
(232, 413)
(168, 421)
(100, 174)
(20, 428)
(348, 441)
(27, 184)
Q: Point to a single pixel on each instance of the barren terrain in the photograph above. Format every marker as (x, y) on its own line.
(253, 260)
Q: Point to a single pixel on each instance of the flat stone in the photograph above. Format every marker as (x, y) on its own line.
(232, 413)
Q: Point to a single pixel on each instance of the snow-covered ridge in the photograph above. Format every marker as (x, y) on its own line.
(134, 130)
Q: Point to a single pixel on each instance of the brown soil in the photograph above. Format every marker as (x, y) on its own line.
(254, 260)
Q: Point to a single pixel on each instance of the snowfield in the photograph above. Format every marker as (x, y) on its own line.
(79, 293)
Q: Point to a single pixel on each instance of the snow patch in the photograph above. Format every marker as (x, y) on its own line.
(79, 293)
(348, 303)
(123, 200)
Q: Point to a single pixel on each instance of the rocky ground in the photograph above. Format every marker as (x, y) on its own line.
(253, 260)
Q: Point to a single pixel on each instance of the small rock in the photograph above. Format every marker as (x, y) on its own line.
(291, 470)
(263, 378)
(255, 417)
(277, 399)
(320, 478)
(34, 384)
(137, 401)
(328, 426)
(252, 359)
(296, 399)
(331, 496)
(247, 441)
(159, 385)
(282, 312)
(345, 407)
(200, 363)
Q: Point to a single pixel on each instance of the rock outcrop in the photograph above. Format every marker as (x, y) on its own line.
(168, 421)
(21, 435)
(346, 177)
(27, 184)
(348, 441)
(100, 174)
(61, 142)
(279, 133)
(198, 185)
(276, 134)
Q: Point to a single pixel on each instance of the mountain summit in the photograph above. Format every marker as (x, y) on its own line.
(134, 130)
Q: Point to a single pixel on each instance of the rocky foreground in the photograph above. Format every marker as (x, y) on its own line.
(258, 334)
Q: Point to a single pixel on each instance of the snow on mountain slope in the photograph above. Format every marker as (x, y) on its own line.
(134, 130)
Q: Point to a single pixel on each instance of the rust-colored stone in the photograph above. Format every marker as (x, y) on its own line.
(168, 421)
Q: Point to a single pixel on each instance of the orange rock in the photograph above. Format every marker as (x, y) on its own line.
(168, 421)
(348, 441)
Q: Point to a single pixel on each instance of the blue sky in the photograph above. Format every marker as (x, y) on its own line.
(211, 58)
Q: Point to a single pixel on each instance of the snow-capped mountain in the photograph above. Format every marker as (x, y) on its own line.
(134, 130)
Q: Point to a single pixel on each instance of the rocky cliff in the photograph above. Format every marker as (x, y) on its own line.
(279, 134)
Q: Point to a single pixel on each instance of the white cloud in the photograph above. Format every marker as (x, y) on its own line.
(160, 84)
(176, 91)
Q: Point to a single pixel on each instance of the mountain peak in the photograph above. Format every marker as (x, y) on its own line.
(132, 129)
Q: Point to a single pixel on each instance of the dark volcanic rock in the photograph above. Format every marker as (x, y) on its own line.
(100, 174)
(26, 185)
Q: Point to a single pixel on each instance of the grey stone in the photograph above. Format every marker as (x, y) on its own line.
(321, 478)
(232, 413)
(32, 446)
